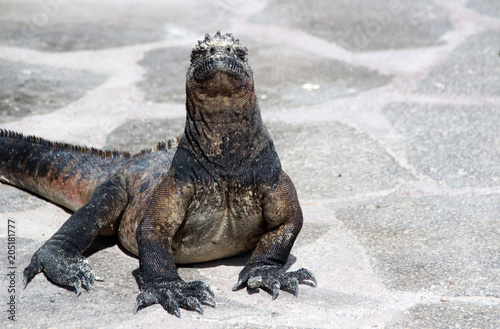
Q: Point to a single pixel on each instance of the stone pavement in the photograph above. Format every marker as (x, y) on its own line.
(386, 114)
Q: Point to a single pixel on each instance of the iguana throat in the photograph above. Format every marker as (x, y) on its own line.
(223, 122)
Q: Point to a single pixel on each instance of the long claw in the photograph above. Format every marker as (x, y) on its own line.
(74, 272)
(138, 303)
(136, 306)
(173, 295)
(200, 286)
(276, 289)
(273, 278)
(209, 300)
(28, 276)
(172, 307)
(239, 285)
(242, 280)
(206, 297)
(143, 300)
(193, 304)
(78, 287)
(33, 269)
(86, 282)
(305, 276)
(295, 289)
(292, 286)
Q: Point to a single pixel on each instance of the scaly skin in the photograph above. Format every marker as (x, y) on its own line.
(220, 193)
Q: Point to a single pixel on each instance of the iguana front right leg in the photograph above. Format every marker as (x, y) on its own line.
(162, 284)
(265, 268)
(60, 258)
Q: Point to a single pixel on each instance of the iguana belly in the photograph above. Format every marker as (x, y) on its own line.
(221, 221)
(219, 225)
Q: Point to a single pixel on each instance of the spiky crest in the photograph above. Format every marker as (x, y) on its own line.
(84, 149)
(218, 40)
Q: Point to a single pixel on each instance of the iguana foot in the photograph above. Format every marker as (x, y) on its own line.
(273, 278)
(66, 271)
(174, 294)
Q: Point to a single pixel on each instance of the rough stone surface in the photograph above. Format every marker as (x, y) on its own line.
(463, 77)
(16, 200)
(442, 142)
(34, 89)
(384, 114)
(288, 77)
(363, 25)
(81, 25)
(343, 164)
(461, 315)
(445, 245)
(486, 7)
(165, 79)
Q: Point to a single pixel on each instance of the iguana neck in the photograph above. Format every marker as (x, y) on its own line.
(226, 131)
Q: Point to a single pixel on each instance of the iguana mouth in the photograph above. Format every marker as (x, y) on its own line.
(227, 65)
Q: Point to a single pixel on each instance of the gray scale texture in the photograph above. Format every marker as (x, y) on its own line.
(363, 25)
(34, 89)
(462, 77)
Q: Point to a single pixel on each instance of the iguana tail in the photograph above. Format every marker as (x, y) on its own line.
(62, 173)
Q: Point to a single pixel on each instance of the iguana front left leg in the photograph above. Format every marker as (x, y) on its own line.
(281, 210)
(162, 284)
(60, 258)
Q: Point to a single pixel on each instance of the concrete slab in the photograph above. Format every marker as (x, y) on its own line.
(289, 77)
(16, 200)
(454, 144)
(36, 89)
(485, 7)
(447, 245)
(442, 315)
(59, 25)
(363, 25)
(346, 163)
(165, 79)
(461, 76)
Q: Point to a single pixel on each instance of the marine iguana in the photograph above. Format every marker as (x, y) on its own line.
(219, 193)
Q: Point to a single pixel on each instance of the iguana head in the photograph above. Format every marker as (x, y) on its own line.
(219, 66)
(223, 122)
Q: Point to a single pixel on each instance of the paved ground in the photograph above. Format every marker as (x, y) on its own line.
(386, 114)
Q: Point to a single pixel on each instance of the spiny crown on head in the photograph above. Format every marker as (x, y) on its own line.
(207, 47)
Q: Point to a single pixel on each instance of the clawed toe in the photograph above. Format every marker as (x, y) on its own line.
(306, 277)
(175, 295)
(274, 278)
(73, 272)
